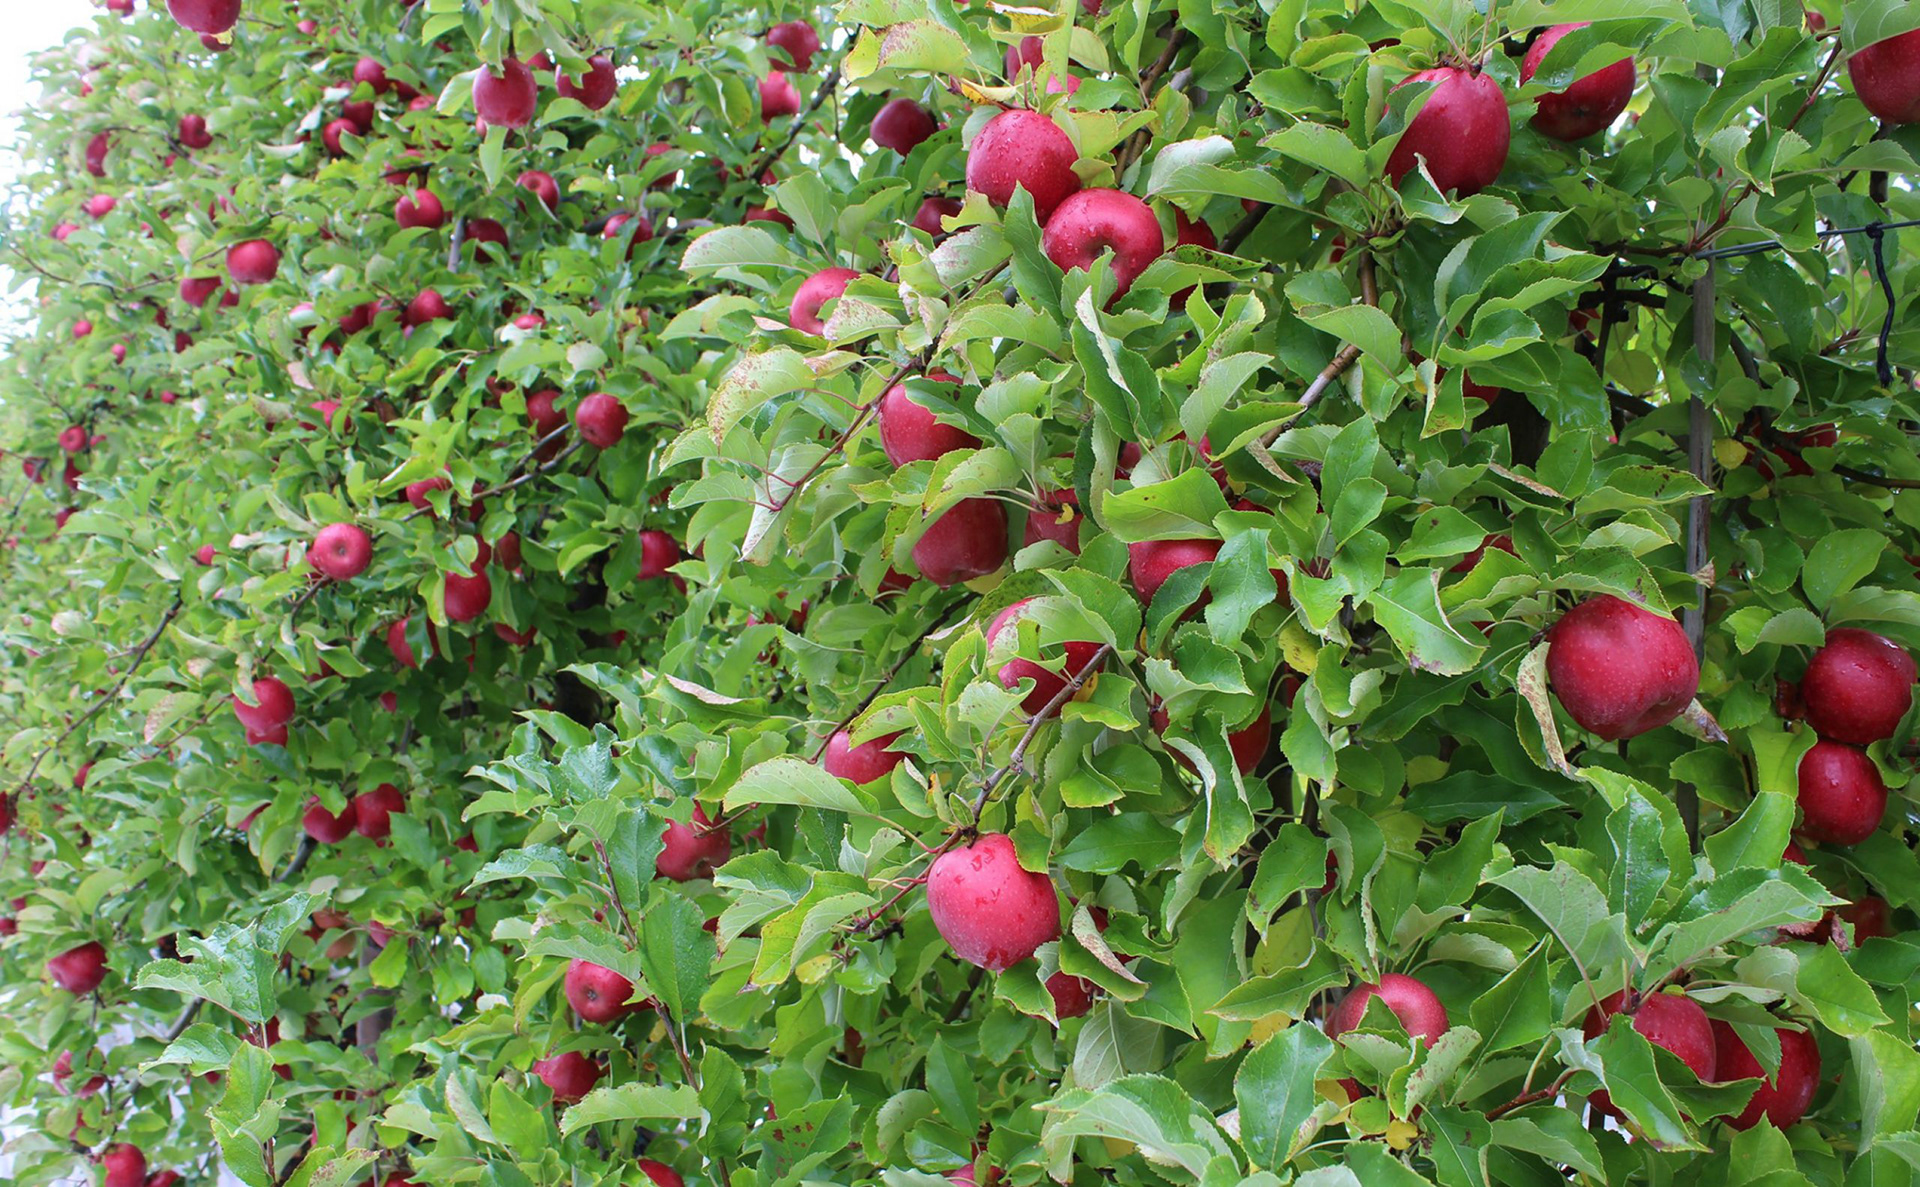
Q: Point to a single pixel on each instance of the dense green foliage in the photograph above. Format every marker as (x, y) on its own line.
(808, 1022)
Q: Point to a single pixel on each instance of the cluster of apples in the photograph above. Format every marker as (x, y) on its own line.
(1856, 690)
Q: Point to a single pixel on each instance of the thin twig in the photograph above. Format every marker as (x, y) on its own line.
(760, 167)
(1527, 1098)
(1035, 722)
(905, 657)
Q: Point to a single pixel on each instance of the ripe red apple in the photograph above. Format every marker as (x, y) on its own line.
(174, 1179)
(864, 763)
(204, 554)
(595, 89)
(403, 650)
(418, 493)
(642, 229)
(1842, 797)
(658, 553)
(569, 1074)
(909, 432)
(488, 237)
(1783, 1098)
(1151, 562)
(1072, 997)
(931, 211)
(427, 305)
(1592, 103)
(422, 208)
(372, 811)
(601, 420)
(505, 99)
(125, 1166)
(1031, 51)
(79, 970)
(361, 112)
(1666, 1020)
(1462, 131)
(597, 993)
(205, 16)
(901, 125)
(1091, 222)
(1023, 148)
(542, 186)
(326, 827)
(63, 1072)
(192, 131)
(541, 411)
(1503, 542)
(1858, 687)
(693, 850)
(100, 205)
(799, 41)
(1619, 669)
(254, 262)
(197, 290)
(273, 705)
(1055, 517)
(341, 551)
(467, 598)
(968, 541)
(1886, 76)
(661, 1174)
(333, 137)
(1003, 636)
(765, 214)
(991, 911)
(74, 439)
(1417, 1007)
(803, 313)
(778, 97)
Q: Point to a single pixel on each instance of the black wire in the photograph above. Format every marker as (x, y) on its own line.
(1878, 235)
(1763, 245)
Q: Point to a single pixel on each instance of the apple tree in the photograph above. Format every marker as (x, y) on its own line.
(1156, 592)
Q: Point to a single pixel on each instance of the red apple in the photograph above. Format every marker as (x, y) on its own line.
(598, 994)
(1619, 669)
(658, 553)
(1858, 687)
(1417, 1007)
(799, 41)
(931, 211)
(192, 131)
(273, 705)
(1462, 131)
(569, 1074)
(197, 290)
(427, 305)
(864, 763)
(505, 99)
(1092, 222)
(1592, 103)
(79, 970)
(205, 16)
(326, 827)
(1023, 148)
(372, 811)
(1886, 76)
(595, 89)
(333, 137)
(1151, 562)
(254, 262)
(467, 598)
(420, 209)
(991, 911)
(901, 125)
(1503, 542)
(1783, 1097)
(1842, 797)
(968, 541)
(125, 1166)
(815, 291)
(909, 432)
(601, 420)
(693, 850)
(1003, 636)
(542, 186)
(778, 97)
(1056, 517)
(341, 551)
(661, 1174)
(1667, 1020)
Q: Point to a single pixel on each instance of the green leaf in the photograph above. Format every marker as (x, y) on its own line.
(676, 952)
(1274, 1088)
(1150, 1110)
(632, 1102)
(791, 780)
(1838, 561)
(1407, 606)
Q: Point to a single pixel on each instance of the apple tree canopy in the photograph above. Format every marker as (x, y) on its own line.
(1149, 592)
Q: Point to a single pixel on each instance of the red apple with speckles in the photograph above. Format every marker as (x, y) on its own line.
(909, 432)
(273, 705)
(124, 1165)
(992, 912)
(815, 291)
(205, 16)
(797, 40)
(419, 209)
(542, 186)
(969, 540)
(1857, 687)
(505, 99)
(326, 826)
(373, 811)
(864, 763)
(1090, 223)
(254, 262)
(1022, 148)
(931, 211)
(1417, 1007)
(1619, 669)
(1842, 796)
(778, 97)
(341, 551)
(1003, 637)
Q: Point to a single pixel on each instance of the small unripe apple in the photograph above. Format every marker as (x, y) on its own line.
(1858, 687)
(505, 99)
(596, 88)
(815, 291)
(1090, 223)
(778, 97)
(693, 850)
(990, 910)
(969, 540)
(601, 420)
(422, 208)
(1023, 148)
(79, 970)
(1783, 1097)
(569, 1074)
(597, 993)
(1462, 131)
(254, 262)
(1842, 796)
(1592, 103)
(864, 763)
(901, 125)
(1003, 636)
(341, 551)
(909, 432)
(1619, 669)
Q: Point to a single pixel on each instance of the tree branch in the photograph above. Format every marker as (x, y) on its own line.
(1035, 722)
(827, 84)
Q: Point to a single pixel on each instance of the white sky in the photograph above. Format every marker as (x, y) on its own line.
(31, 25)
